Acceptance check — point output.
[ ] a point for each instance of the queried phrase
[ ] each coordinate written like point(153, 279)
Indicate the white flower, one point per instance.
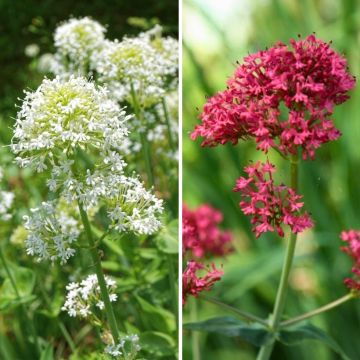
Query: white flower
point(32, 50)
point(51, 233)
point(6, 201)
point(130, 206)
point(76, 40)
point(132, 63)
point(62, 116)
point(83, 297)
point(113, 350)
point(128, 346)
point(166, 47)
point(47, 63)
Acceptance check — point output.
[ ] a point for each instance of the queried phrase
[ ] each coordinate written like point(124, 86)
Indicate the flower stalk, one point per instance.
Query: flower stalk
point(245, 315)
point(100, 275)
point(167, 120)
point(275, 319)
point(318, 311)
point(195, 336)
point(173, 288)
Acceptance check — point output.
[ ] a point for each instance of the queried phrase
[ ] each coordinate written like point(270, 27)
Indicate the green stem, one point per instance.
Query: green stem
point(173, 287)
point(266, 350)
point(243, 314)
point(29, 322)
point(317, 311)
point(167, 119)
point(67, 336)
point(143, 138)
point(195, 340)
point(100, 275)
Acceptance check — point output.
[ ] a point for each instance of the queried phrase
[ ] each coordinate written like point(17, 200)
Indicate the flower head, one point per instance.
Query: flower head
point(131, 207)
point(145, 65)
point(167, 48)
point(83, 298)
point(308, 78)
point(352, 248)
point(62, 116)
point(201, 234)
point(51, 232)
point(270, 206)
point(193, 285)
point(76, 41)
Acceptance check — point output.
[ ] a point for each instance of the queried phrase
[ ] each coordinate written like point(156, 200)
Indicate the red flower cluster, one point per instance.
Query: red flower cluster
point(270, 205)
point(201, 234)
point(352, 237)
point(308, 78)
point(193, 285)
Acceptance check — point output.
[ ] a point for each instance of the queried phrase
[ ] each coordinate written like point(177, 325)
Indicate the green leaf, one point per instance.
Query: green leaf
point(25, 281)
point(298, 334)
point(47, 353)
point(155, 317)
point(157, 344)
point(53, 309)
point(229, 326)
point(167, 239)
point(7, 351)
point(113, 246)
point(7, 304)
point(111, 266)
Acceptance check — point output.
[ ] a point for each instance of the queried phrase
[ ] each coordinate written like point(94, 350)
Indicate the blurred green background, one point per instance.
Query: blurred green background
point(216, 35)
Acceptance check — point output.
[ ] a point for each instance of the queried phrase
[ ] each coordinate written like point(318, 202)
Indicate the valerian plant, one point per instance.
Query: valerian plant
point(283, 98)
point(102, 198)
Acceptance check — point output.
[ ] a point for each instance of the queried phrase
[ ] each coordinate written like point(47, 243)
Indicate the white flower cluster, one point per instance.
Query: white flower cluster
point(148, 62)
point(72, 128)
point(132, 65)
point(61, 116)
point(6, 201)
point(126, 348)
point(51, 232)
point(146, 65)
point(168, 49)
point(82, 298)
point(131, 207)
point(76, 41)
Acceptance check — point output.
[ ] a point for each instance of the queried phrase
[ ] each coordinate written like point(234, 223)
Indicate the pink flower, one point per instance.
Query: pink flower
point(307, 77)
point(352, 237)
point(271, 206)
point(193, 285)
point(201, 234)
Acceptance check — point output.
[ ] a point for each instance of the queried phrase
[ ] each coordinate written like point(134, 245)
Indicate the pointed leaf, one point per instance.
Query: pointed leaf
point(156, 317)
point(229, 326)
point(295, 335)
point(25, 280)
point(47, 353)
point(157, 344)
